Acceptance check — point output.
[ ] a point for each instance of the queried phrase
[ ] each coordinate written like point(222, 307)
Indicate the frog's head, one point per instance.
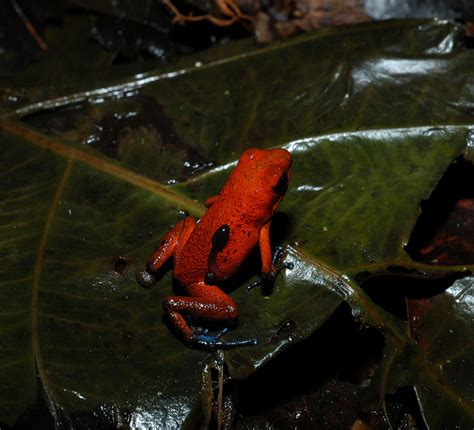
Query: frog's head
point(262, 176)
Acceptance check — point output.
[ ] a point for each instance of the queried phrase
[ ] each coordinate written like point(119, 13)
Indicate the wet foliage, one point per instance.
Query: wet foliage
point(106, 142)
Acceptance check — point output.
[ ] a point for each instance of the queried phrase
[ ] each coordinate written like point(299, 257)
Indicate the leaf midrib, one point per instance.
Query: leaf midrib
point(70, 152)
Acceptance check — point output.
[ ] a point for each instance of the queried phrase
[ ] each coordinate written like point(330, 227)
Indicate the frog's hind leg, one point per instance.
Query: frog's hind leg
point(207, 302)
point(171, 244)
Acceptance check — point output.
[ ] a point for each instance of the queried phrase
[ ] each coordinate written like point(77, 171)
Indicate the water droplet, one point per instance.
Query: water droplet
point(470, 140)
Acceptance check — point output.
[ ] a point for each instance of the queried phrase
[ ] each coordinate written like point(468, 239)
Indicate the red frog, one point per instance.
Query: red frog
point(212, 249)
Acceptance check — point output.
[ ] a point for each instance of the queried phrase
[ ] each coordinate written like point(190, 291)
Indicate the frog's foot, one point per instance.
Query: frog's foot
point(277, 257)
point(145, 279)
point(267, 280)
point(200, 330)
point(212, 343)
point(277, 254)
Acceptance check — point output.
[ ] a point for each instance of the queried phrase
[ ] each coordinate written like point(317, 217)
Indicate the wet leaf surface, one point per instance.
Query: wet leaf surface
point(316, 375)
point(441, 327)
point(371, 136)
point(73, 319)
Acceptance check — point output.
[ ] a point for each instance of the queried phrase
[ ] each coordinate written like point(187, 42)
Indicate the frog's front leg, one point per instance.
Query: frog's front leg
point(170, 245)
point(270, 270)
point(206, 302)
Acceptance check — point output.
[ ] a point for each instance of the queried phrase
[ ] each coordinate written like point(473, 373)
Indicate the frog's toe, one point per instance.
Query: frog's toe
point(222, 332)
point(145, 279)
point(265, 280)
point(237, 343)
point(212, 343)
point(277, 254)
point(276, 259)
point(200, 331)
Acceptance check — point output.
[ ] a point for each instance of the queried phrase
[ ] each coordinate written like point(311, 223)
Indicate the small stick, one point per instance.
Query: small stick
point(229, 9)
point(39, 40)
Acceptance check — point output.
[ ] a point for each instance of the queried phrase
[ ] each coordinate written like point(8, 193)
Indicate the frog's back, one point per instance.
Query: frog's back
point(192, 263)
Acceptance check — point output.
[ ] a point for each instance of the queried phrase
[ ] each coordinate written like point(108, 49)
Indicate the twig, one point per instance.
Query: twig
point(39, 40)
point(227, 7)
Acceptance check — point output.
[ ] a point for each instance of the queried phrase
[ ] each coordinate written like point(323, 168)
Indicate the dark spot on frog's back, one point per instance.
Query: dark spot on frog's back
point(218, 243)
point(220, 238)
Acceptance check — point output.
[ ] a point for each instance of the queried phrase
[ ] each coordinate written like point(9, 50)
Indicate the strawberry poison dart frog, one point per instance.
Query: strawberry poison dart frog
point(211, 249)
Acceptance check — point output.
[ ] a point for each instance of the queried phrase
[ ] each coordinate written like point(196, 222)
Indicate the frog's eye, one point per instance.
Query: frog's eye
point(282, 184)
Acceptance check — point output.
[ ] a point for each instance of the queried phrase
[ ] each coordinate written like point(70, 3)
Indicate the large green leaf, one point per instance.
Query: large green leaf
point(373, 116)
point(92, 335)
point(448, 401)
